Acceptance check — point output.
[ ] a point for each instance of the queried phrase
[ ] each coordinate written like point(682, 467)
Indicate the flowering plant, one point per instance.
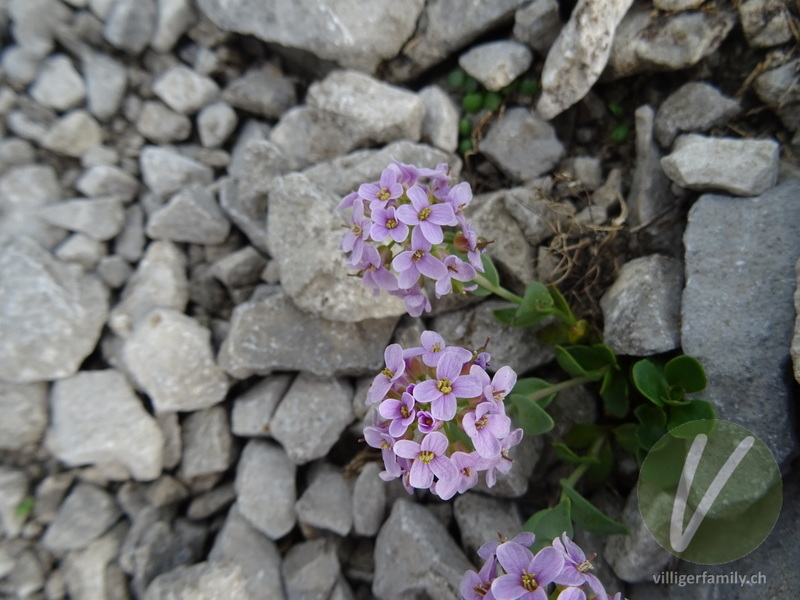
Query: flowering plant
point(397, 239)
point(511, 572)
point(440, 418)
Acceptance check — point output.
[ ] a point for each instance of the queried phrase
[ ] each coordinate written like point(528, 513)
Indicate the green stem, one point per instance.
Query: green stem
point(496, 289)
point(576, 475)
point(558, 387)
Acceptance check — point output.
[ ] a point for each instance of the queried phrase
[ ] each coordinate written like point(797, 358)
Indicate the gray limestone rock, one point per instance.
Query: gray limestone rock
point(496, 64)
point(239, 543)
point(642, 309)
point(99, 218)
point(313, 274)
point(97, 419)
point(13, 489)
point(207, 443)
point(270, 333)
point(635, 557)
point(15, 152)
point(292, 136)
point(695, 106)
point(262, 91)
point(579, 54)
point(312, 416)
point(192, 215)
point(73, 134)
point(106, 81)
point(35, 21)
point(58, 85)
point(166, 172)
point(20, 64)
point(522, 145)
point(114, 270)
point(327, 501)
point(795, 349)
point(174, 17)
point(741, 167)
point(777, 86)
point(159, 280)
point(440, 126)
point(51, 318)
point(481, 518)
point(162, 125)
point(447, 26)
point(514, 484)
point(265, 488)
point(252, 410)
point(215, 123)
point(201, 581)
point(352, 110)
point(741, 254)
point(84, 516)
point(369, 500)
point(129, 24)
point(24, 190)
point(185, 91)
point(537, 24)
point(647, 40)
point(169, 354)
point(24, 410)
point(766, 23)
point(107, 181)
point(210, 503)
point(510, 250)
point(469, 328)
point(241, 269)
point(82, 250)
point(50, 494)
point(310, 570)
point(359, 36)
point(410, 532)
point(173, 443)
point(89, 573)
point(344, 174)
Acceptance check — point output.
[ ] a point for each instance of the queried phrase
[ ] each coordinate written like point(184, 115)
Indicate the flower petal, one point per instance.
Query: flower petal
point(513, 557)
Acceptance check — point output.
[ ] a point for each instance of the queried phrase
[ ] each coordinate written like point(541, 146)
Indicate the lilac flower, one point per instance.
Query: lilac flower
point(456, 269)
point(527, 575)
point(434, 348)
point(386, 224)
point(486, 426)
point(379, 194)
point(417, 261)
point(354, 239)
point(429, 458)
point(426, 423)
point(502, 462)
point(428, 217)
point(467, 476)
point(407, 175)
point(467, 241)
point(376, 275)
point(502, 383)
point(571, 593)
point(395, 365)
point(416, 301)
point(402, 413)
point(347, 201)
point(449, 384)
point(378, 438)
point(576, 567)
point(477, 586)
point(523, 538)
point(459, 198)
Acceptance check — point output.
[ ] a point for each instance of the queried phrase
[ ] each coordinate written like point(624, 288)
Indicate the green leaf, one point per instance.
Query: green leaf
point(533, 419)
point(456, 78)
point(505, 316)
point(583, 435)
point(620, 133)
point(549, 523)
point(465, 146)
point(25, 507)
point(492, 101)
point(530, 385)
point(490, 273)
point(590, 518)
point(687, 372)
point(464, 127)
point(650, 381)
point(529, 87)
point(564, 453)
point(652, 425)
point(615, 108)
point(472, 102)
point(625, 435)
point(537, 305)
point(695, 410)
point(554, 334)
point(585, 361)
point(471, 84)
point(561, 306)
point(614, 393)
point(600, 470)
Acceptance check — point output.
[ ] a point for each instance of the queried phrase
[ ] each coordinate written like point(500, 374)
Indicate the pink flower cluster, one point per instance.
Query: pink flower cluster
point(430, 396)
point(397, 236)
point(512, 572)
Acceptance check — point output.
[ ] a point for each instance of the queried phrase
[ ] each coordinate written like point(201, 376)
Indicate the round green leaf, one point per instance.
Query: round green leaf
point(614, 393)
point(492, 101)
point(472, 102)
point(695, 410)
point(456, 78)
point(533, 419)
point(687, 372)
point(650, 381)
point(549, 523)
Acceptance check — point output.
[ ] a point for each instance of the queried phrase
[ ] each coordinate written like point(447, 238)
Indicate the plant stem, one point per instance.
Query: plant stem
point(576, 475)
point(496, 289)
point(558, 387)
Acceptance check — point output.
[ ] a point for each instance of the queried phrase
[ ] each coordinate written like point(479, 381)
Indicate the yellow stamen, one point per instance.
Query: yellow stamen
point(529, 581)
point(391, 223)
point(384, 195)
point(444, 385)
point(423, 214)
point(426, 456)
